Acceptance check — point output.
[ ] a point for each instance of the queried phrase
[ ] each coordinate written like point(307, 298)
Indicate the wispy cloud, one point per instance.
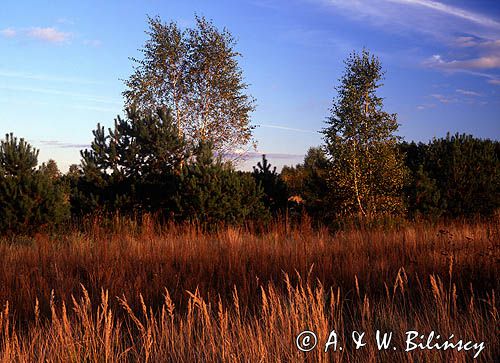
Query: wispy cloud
point(476, 51)
point(63, 145)
point(266, 4)
point(490, 61)
point(56, 92)
point(45, 34)
point(44, 77)
point(458, 96)
point(257, 155)
point(426, 16)
point(95, 108)
point(8, 33)
point(425, 106)
point(443, 99)
point(286, 128)
point(92, 42)
point(65, 21)
point(453, 11)
point(468, 41)
point(468, 92)
point(49, 34)
point(77, 105)
point(480, 54)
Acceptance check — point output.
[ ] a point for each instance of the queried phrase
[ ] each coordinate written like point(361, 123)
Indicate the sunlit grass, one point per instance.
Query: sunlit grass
point(124, 293)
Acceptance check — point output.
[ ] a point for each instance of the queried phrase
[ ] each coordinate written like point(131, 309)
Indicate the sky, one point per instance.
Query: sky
point(62, 65)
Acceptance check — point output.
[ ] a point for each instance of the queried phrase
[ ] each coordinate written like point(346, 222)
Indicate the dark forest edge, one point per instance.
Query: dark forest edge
point(452, 177)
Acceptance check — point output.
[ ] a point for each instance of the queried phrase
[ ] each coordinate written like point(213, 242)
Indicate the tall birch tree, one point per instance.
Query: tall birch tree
point(195, 73)
point(367, 170)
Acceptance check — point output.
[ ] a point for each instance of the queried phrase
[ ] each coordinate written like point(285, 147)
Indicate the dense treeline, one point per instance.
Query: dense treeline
point(170, 154)
point(454, 176)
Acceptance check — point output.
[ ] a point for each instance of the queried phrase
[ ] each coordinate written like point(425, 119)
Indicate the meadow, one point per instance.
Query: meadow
point(125, 291)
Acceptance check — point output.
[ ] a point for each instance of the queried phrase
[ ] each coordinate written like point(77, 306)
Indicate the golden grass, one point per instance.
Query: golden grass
point(176, 294)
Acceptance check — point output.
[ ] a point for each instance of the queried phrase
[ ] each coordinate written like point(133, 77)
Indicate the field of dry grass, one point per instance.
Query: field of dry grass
point(178, 294)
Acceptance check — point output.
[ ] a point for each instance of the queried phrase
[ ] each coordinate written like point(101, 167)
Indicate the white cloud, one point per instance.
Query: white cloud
point(466, 41)
point(48, 34)
point(286, 128)
point(468, 92)
point(252, 155)
point(460, 96)
point(485, 54)
point(425, 106)
point(433, 18)
point(92, 42)
point(44, 77)
point(453, 11)
point(476, 50)
point(474, 41)
point(443, 99)
point(8, 33)
point(65, 21)
point(55, 92)
point(479, 57)
point(64, 145)
point(491, 61)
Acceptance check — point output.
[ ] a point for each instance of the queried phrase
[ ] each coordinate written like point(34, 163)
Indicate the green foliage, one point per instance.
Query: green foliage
point(316, 189)
point(133, 168)
point(51, 170)
point(211, 192)
point(454, 176)
point(195, 73)
point(307, 184)
point(367, 171)
point(30, 198)
point(425, 196)
point(275, 192)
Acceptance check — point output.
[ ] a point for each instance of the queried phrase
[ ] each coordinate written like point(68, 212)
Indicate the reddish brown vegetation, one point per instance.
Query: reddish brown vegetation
point(254, 291)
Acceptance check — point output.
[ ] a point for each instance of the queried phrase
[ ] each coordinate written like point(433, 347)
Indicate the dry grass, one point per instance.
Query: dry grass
point(124, 293)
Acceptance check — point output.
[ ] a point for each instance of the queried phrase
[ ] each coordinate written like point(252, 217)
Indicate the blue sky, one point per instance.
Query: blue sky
point(62, 64)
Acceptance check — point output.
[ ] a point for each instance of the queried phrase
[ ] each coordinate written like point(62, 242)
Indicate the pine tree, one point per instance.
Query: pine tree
point(275, 192)
point(211, 192)
point(51, 170)
point(133, 166)
point(30, 198)
point(455, 176)
point(426, 196)
point(367, 170)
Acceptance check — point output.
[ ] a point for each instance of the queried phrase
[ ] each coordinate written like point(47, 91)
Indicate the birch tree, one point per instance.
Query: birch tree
point(367, 170)
point(195, 73)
